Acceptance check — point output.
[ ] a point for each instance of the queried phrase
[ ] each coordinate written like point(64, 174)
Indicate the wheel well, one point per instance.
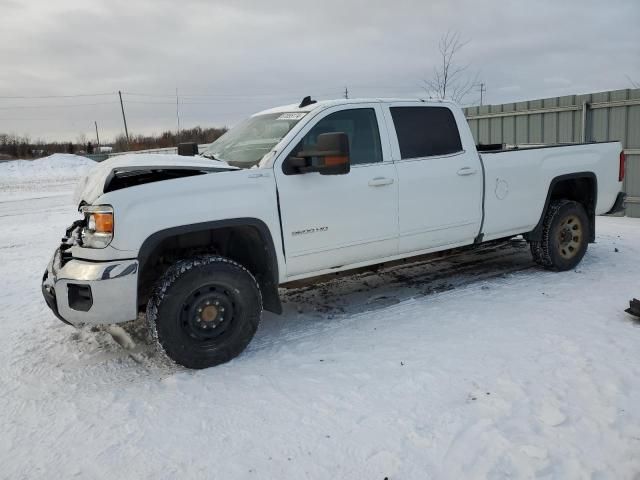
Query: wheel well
point(581, 188)
point(249, 244)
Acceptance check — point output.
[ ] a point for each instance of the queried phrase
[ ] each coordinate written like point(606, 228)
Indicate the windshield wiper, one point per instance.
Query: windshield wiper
point(209, 156)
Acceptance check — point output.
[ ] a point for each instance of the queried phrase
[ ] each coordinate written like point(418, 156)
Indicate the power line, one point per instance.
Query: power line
point(192, 99)
point(215, 95)
point(185, 104)
point(386, 87)
point(27, 119)
point(173, 103)
point(226, 95)
point(57, 105)
point(197, 95)
point(57, 96)
point(205, 102)
point(143, 102)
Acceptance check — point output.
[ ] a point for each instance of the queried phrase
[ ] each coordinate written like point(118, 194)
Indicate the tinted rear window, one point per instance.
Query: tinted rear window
point(425, 131)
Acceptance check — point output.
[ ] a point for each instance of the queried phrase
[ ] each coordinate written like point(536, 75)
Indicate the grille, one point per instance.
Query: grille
point(72, 237)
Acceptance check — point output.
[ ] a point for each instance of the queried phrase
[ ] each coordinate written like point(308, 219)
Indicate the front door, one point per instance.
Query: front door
point(330, 221)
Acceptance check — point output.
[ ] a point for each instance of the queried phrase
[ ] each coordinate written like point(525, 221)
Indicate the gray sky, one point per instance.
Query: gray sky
point(248, 55)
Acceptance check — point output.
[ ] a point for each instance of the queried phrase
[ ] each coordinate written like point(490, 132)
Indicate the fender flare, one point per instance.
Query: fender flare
point(536, 233)
point(268, 282)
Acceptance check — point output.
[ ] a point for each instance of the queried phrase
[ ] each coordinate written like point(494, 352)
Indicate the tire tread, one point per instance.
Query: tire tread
point(173, 273)
point(541, 250)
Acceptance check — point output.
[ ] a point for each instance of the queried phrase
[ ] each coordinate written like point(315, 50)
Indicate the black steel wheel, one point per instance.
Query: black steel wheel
point(208, 311)
point(205, 311)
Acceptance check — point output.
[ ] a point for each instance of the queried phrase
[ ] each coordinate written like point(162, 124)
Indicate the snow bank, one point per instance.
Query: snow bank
point(56, 167)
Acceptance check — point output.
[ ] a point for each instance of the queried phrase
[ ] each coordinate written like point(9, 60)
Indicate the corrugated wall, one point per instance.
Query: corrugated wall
point(606, 116)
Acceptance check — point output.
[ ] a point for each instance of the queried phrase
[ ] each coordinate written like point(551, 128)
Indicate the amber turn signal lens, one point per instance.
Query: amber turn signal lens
point(333, 161)
point(104, 222)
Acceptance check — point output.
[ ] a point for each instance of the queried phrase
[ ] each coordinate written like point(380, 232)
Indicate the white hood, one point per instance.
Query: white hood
point(92, 185)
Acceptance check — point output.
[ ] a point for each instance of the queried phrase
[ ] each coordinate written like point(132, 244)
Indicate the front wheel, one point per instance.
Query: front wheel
point(565, 236)
point(204, 311)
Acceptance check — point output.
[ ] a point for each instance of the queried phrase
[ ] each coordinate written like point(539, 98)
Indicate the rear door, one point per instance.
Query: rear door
point(330, 221)
point(440, 200)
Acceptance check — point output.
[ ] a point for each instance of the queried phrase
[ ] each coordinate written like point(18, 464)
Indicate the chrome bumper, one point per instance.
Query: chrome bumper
point(82, 292)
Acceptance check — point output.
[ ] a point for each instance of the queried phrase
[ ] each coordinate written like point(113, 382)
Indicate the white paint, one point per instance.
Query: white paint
point(420, 205)
point(358, 211)
point(529, 172)
point(502, 189)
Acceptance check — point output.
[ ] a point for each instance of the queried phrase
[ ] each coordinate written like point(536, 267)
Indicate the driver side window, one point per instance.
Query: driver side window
point(360, 125)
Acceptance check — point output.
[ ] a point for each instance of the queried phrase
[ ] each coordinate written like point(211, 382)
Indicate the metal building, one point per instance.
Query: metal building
point(602, 116)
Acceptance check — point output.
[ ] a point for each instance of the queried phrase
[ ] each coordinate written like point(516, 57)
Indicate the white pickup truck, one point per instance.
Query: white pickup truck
point(202, 243)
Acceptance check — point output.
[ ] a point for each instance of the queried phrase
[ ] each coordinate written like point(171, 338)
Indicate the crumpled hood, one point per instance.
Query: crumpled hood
point(97, 181)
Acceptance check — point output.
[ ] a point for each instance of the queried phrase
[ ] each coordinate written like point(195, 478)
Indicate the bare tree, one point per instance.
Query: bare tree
point(633, 83)
point(450, 80)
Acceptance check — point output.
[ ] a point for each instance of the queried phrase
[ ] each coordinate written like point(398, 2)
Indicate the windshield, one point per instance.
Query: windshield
point(245, 144)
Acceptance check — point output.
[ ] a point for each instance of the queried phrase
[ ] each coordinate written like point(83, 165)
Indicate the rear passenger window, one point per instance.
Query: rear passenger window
point(425, 131)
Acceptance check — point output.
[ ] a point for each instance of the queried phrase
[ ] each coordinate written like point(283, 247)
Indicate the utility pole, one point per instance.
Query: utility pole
point(97, 136)
point(482, 90)
point(124, 119)
point(346, 92)
point(178, 112)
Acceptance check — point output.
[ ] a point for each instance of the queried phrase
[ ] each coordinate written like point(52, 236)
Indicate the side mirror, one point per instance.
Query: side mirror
point(188, 149)
point(330, 156)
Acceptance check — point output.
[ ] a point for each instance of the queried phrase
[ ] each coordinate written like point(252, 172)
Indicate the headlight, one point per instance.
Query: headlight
point(98, 231)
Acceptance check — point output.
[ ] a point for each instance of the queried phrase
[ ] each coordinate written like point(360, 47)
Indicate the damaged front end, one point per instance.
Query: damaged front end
point(132, 170)
point(125, 177)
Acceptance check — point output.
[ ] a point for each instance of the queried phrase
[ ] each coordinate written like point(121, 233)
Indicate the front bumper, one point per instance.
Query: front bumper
point(83, 292)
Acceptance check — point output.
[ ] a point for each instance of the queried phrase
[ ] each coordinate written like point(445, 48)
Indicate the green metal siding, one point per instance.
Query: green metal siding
point(529, 123)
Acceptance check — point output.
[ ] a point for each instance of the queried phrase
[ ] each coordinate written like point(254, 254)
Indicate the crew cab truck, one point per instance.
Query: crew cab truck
point(200, 244)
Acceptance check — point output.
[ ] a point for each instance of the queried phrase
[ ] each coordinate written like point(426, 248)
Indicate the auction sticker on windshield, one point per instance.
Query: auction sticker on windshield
point(292, 116)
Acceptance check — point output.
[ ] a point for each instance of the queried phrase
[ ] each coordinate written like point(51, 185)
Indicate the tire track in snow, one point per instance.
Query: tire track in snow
point(333, 304)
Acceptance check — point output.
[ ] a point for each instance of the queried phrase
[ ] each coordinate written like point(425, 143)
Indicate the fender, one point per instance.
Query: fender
point(267, 280)
point(536, 233)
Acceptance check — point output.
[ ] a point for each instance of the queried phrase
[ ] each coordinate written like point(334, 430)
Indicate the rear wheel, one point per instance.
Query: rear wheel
point(204, 311)
point(565, 236)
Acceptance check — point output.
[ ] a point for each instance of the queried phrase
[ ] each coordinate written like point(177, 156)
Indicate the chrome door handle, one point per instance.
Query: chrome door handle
point(467, 171)
point(380, 181)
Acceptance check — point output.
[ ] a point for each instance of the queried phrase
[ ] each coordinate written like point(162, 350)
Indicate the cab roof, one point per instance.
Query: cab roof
point(322, 104)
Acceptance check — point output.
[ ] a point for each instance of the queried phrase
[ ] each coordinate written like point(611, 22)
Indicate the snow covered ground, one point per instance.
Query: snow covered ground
point(483, 366)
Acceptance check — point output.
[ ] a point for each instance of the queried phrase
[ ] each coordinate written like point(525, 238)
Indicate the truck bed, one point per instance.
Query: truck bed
point(517, 179)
